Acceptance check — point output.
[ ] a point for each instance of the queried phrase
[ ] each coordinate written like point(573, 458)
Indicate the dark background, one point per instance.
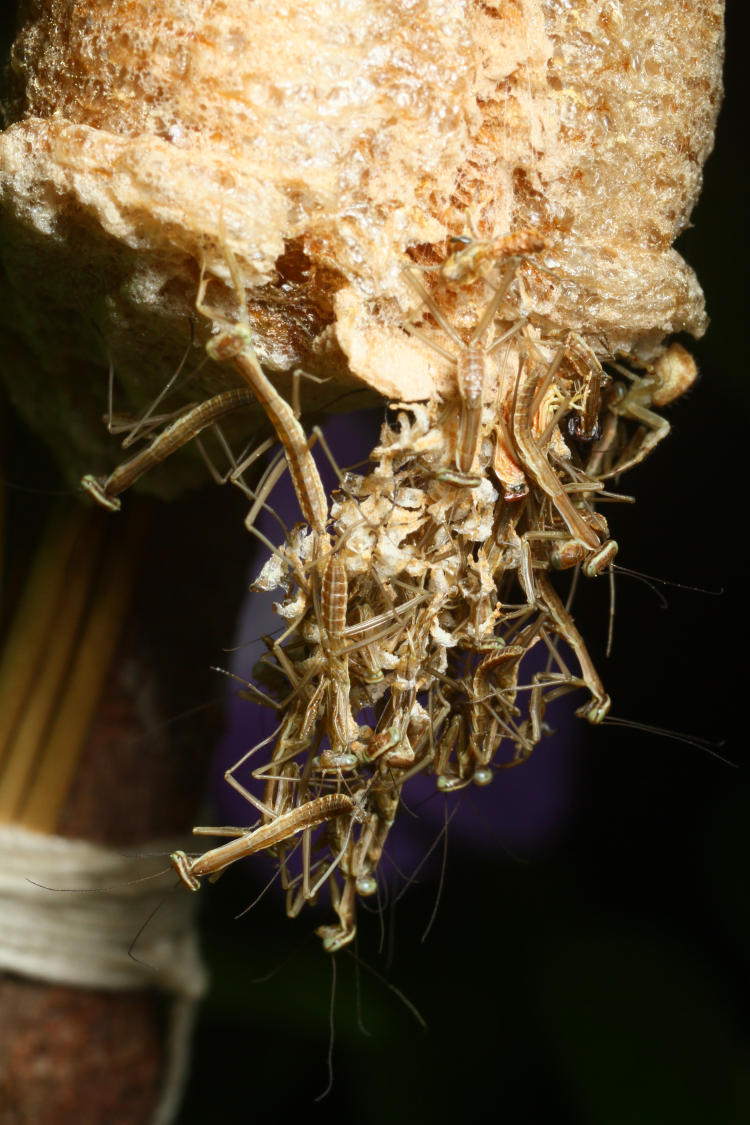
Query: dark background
point(596, 973)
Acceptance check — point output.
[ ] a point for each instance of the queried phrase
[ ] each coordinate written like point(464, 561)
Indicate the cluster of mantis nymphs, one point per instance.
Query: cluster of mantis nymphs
point(412, 597)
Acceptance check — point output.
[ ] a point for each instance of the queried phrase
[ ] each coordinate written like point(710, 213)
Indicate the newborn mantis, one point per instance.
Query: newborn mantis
point(267, 836)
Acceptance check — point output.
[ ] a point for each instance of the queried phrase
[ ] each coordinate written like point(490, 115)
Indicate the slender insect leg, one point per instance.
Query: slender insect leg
point(597, 708)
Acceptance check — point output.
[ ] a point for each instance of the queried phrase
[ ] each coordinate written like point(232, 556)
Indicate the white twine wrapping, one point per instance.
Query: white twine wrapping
point(80, 932)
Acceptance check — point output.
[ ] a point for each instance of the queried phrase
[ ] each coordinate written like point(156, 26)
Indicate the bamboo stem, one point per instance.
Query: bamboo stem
point(95, 644)
point(40, 646)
